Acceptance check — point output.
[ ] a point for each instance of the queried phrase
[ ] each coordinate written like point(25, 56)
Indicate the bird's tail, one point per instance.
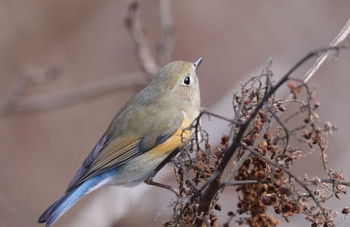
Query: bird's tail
point(66, 201)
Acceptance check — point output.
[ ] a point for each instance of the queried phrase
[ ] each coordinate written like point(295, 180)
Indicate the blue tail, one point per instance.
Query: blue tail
point(60, 206)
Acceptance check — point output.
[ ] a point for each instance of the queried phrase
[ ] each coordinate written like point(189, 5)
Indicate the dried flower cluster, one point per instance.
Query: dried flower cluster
point(192, 173)
point(268, 136)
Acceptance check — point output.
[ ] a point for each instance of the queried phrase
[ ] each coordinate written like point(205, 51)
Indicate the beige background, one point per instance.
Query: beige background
point(87, 40)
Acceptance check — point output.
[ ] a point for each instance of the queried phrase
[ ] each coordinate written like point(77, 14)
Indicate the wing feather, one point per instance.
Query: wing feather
point(108, 155)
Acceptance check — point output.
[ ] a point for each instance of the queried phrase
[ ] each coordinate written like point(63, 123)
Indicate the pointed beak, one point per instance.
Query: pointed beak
point(198, 62)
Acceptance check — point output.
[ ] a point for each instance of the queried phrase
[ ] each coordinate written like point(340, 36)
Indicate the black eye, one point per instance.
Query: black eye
point(187, 80)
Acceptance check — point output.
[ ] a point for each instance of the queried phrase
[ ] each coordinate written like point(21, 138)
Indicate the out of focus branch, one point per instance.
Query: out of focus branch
point(16, 90)
point(14, 102)
point(73, 95)
point(143, 49)
point(166, 48)
point(133, 24)
point(340, 38)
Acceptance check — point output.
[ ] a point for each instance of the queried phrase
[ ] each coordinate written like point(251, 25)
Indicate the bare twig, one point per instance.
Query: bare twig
point(246, 155)
point(262, 184)
point(189, 180)
point(73, 95)
point(133, 23)
point(329, 180)
point(166, 21)
point(239, 182)
point(16, 90)
point(210, 188)
point(290, 174)
point(340, 37)
point(210, 114)
point(15, 103)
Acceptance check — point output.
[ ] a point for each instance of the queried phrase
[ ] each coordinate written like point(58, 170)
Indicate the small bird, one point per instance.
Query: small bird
point(143, 136)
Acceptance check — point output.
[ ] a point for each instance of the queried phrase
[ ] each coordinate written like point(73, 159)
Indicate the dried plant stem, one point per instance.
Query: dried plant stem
point(290, 174)
point(210, 189)
point(340, 38)
point(246, 155)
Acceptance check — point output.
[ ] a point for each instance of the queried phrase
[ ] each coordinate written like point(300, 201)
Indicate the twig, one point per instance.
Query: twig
point(209, 189)
point(188, 179)
point(16, 90)
point(246, 154)
point(330, 181)
point(133, 24)
point(290, 174)
point(73, 95)
point(239, 182)
point(286, 131)
point(210, 114)
point(196, 123)
point(340, 37)
point(166, 48)
point(205, 221)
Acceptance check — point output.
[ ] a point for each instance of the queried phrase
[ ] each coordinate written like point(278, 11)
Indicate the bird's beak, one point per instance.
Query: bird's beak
point(197, 63)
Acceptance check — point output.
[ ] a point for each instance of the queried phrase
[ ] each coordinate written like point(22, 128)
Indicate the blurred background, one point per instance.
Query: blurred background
point(52, 48)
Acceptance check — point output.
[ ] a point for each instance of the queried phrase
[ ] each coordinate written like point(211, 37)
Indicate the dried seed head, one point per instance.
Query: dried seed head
point(346, 210)
point(262, 144)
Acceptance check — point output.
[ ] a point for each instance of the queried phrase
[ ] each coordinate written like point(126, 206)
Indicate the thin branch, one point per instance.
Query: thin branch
point(247, 154)
point(290, 174)
point(166, 21)
point(340, 38)
point(210, 187)
point(188, 178)
point(286, 131)
point(16, 90)
point(205, 221)
point(210, 114)
point(73, 95)
point(239, 182)
point(329, 180)
point(133, 24)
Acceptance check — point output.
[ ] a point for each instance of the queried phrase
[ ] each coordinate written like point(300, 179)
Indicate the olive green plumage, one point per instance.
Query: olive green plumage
point(140, 137)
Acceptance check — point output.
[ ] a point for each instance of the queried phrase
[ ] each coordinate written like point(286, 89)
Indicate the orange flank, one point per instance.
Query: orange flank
point(176, 140)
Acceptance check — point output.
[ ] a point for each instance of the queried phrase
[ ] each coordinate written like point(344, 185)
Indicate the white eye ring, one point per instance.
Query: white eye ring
point(187, 81)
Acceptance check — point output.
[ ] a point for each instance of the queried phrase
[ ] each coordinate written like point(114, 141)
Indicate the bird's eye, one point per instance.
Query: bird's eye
point(187, 81)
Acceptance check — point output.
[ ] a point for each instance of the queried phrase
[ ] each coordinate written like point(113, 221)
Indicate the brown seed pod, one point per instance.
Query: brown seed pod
point(346, 210)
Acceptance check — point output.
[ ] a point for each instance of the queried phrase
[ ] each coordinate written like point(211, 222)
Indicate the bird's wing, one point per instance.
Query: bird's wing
point(88, 160)
point(107, 155)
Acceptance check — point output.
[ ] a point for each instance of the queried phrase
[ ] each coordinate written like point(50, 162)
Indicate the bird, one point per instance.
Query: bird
point(144, 135)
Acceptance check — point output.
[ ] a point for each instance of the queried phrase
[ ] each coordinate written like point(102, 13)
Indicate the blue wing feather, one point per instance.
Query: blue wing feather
point(87, 178)
point(145, 144)
point(88, 160)
point(60, 206)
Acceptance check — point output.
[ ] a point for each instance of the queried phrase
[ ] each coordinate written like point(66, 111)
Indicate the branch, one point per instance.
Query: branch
point(209, 189)
point(15, 103)
point(16, 90)
point(290, 174)
point(166, 49)
point(133, 24)
point(72, 95)
point(329, 181)
point(340, 37)
point(239, 182)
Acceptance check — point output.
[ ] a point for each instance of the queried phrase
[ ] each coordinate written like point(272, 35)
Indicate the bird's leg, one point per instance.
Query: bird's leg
point(150, 181)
